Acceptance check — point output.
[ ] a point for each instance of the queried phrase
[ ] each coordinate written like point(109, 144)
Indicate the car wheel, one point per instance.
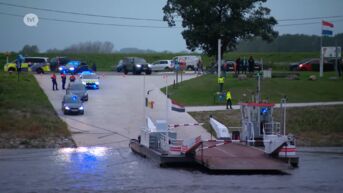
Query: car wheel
point(166, 68)
point(40, 71)
point(125, 70)
point(190, 68)
point(148, 72)
point(82, 113)
point(11, 70)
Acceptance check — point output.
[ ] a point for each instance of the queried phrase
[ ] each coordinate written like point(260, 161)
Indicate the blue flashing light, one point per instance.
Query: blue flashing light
point(87, 72)
point(264, 110)
point(74, 98)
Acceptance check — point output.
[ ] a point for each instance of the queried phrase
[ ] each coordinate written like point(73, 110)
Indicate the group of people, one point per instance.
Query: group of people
point(242, 65)
point(63, 78)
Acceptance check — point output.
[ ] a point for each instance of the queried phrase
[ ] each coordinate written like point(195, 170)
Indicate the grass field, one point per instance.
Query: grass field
point(312, 126)
point(105, 62)
point(201, 90)
point(25, 111)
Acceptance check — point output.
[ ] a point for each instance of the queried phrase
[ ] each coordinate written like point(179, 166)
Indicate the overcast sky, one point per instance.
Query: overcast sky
point(14, 34)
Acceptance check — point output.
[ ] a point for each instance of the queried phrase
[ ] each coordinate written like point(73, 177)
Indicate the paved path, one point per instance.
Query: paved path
point(115, 112)
point(223, 107)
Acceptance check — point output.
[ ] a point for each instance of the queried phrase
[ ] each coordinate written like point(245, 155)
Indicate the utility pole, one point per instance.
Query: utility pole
point(219, 56)
point(321, 55)
point(283, 114)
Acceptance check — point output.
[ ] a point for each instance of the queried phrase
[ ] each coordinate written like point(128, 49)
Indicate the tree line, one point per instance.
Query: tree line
point(290, 43)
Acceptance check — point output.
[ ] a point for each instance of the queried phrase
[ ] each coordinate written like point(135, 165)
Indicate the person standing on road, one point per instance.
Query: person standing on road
point(54, 81)
point(251, 62)
point(94, 67)
point(64, 78)
point(72, 78)
point(228, 100)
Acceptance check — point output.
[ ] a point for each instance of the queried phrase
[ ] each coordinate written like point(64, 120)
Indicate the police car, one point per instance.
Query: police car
point(70, 67)
point(90, 80)
point(29, 64)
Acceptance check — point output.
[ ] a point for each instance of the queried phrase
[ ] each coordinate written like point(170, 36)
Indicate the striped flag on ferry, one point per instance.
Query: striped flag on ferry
point(327, 28)
point(177, 107)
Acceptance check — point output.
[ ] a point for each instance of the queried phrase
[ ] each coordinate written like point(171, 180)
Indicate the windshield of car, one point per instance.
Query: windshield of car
point(89, 76)
point(72, 99)
point(77, 87)
point(140, 60)
point(35, 60)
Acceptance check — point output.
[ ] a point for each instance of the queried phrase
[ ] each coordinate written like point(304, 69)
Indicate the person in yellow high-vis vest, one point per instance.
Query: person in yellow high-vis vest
point(228, 100)
point(221, 83)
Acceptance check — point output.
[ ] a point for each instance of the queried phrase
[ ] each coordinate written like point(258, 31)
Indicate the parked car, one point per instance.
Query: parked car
point(35, 64)
point(78, 89)
point(90, 80)
point(83, 67)
point(312, 65)
point(71, 104)
point(58, 61)
point(136, 65)
point(161, 65)
point(119, 67)
point(190, 61)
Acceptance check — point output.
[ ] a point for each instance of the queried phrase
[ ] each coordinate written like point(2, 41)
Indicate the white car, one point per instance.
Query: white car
point(90, 80)
point(161, 65)
point(191, 61)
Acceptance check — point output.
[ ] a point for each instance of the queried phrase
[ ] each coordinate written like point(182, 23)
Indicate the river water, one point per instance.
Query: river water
point(100, 169)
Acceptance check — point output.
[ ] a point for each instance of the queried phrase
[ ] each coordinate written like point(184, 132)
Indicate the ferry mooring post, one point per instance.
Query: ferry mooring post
point(283, 113)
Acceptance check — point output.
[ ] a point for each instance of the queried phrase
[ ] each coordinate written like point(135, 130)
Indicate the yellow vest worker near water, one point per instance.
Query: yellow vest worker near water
point(221, 83)
point(228, 100)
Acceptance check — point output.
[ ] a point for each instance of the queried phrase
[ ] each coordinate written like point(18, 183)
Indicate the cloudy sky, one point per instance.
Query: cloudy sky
point(59, 30)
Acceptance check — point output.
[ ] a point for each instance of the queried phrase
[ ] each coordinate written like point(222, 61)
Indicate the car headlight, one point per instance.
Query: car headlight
point(97, 83)
point(149, 65)
point(66, 108)
point(138, 65)
point(81, 108)
point(71, 68)
point(60, 68)
point(84, 83)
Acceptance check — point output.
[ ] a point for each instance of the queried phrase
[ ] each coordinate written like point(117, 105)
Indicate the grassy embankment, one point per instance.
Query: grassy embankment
point(312, 126)
point(25, 111)
point(201, 90)
point(105, 62)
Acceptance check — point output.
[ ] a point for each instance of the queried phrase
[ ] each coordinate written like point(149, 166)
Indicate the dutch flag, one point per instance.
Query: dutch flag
point(177, 107)
point(327, 28)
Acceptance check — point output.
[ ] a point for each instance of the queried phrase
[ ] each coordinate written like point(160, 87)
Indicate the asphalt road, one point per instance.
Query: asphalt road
point(115, 113)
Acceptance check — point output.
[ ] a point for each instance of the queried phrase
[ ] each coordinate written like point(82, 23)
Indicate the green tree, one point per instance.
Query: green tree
point(205, 21)
point(28, 50)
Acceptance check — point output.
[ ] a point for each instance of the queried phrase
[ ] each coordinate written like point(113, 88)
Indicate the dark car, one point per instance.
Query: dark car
point(70, 67)
point(312, 65)
point(83, 67)
point(71, 104)
point(56, 62)
point(136, 65)
point(78, 89)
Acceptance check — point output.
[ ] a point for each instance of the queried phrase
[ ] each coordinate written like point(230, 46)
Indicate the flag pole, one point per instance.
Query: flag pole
point(167, 109)
point(320, 51)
